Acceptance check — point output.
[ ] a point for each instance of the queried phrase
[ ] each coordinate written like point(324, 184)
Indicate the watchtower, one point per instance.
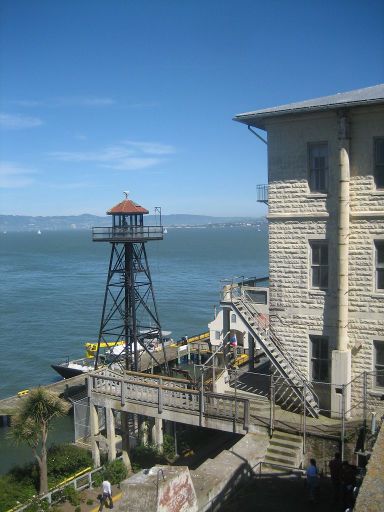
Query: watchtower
point(129, 323)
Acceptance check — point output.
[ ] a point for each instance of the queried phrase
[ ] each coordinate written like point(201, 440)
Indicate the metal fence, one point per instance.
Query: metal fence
point(81, 420)
point(357, 405)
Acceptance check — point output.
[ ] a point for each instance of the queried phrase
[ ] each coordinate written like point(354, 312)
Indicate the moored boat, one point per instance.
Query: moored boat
point(72, 368)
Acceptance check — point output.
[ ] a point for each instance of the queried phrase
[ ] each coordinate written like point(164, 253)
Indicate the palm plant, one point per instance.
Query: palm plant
point(31, 423)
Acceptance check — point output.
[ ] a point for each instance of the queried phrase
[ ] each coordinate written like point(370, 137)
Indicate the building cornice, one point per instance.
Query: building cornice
point(367, 215)
point(298, 215)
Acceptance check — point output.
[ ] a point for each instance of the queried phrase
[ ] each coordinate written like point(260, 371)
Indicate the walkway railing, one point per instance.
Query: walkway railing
point(160, 394)
point(82, 480)
point(163, 393)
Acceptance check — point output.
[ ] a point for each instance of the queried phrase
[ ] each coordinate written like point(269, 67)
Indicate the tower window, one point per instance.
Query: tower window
point(379, 264)
point(318, 167)
point(319, 359)
point(233, 318)
point(378, 148)
point(319, 264)
point(379, 363)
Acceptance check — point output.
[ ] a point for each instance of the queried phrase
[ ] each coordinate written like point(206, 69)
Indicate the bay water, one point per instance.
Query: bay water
point(52, 287)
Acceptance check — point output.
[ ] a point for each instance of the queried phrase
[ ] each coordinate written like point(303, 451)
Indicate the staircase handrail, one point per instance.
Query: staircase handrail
point(291, 469)
point(270, 333)
point(266, 332)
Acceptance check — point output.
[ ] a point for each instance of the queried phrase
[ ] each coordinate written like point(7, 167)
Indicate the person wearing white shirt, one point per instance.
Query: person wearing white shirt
point(107, 495)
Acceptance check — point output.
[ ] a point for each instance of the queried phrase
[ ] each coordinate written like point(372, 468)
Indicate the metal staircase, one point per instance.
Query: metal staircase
point(290, 386)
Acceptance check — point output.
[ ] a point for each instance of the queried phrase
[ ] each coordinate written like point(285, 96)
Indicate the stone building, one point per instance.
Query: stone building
point(326, 240)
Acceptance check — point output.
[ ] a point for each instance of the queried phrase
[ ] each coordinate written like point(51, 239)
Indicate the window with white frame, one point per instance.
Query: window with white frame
point(319, 358)
point(217, 335)
point(378, 361)
point(318, 167)
point(379, 264)
point(319, 264)
point(233, 318)
point(378, 156)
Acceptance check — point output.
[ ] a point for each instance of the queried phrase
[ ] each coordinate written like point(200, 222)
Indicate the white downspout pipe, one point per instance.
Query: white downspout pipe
point(341, 357)
point(343, 234)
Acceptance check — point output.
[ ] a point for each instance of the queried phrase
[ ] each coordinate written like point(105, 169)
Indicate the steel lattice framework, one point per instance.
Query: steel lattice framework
point(129, 322)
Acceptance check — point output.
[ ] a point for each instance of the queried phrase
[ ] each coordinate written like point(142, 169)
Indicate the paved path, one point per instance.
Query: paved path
point(65, 387)
point(270, 493)
point(90, 494)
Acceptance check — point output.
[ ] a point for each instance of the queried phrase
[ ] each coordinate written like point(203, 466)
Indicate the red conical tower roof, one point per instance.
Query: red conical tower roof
point(128, 207)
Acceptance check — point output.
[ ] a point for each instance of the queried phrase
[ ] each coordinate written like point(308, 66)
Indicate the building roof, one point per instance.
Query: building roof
point(127, 206)
point(358, 97)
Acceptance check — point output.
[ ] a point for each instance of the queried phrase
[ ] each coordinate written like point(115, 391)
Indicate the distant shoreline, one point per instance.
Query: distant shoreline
point(24, 223)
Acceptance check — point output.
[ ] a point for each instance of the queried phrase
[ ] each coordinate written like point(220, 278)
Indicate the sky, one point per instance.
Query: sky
point(102, 96)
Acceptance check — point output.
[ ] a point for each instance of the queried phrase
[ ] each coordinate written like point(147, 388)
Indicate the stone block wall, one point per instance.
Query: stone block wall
point(296, 216)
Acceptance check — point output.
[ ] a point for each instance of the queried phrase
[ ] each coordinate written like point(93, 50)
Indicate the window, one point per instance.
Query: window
point(217, 335)
point(258, 296)
point(379, 264)
point(233, 318)
point(319, 359)
point(379, 363)
point(378, 148)
point(319, 264)
point(318, 167)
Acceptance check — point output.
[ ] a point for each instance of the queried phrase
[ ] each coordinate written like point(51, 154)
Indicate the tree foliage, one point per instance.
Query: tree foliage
point(31, 423)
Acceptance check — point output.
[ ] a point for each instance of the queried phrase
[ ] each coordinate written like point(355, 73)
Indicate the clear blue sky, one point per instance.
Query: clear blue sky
point(101, 96)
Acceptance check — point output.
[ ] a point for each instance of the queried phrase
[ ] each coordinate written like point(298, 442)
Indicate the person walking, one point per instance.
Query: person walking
point(348, 482)
point(335, 470)
point(312, 479)
point(106, 495)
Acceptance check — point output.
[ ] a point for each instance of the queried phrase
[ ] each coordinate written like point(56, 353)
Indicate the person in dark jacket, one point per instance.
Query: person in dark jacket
point(348, 482)
point(335, 470)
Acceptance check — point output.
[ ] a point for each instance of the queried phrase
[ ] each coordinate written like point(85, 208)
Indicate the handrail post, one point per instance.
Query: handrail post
point(122, 389)
point(235, 422)
point(160, 396)
point(89, 385)
point(201, 398)
point(246, 415)
point(342, 420)
point(272, 406)
point(304, 417)
point(365, 387)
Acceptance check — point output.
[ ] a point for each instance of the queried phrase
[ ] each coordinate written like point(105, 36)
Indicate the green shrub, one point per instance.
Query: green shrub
point(145, 456)
point(78, 509)
point(14, 492)
point(37, 505)
point(114, 471)
point(89, 501)
point(169, 447)
point(21, 483)
point(70, 494)
point(65, 460)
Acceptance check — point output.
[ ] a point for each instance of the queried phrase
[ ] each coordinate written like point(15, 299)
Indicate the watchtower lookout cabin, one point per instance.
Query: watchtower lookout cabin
point(130, 325)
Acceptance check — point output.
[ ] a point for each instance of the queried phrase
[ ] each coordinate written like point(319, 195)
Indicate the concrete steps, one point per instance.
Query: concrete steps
point(258, 405)
point(284, 449)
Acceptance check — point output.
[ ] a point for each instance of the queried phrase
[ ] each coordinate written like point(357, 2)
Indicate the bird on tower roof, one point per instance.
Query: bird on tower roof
point(127, 207)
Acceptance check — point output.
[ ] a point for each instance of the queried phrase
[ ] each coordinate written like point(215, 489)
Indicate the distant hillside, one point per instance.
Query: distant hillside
point(86, 221)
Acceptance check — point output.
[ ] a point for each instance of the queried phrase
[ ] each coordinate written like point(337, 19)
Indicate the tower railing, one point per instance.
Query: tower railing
point(127, 233)
point(262, 194)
